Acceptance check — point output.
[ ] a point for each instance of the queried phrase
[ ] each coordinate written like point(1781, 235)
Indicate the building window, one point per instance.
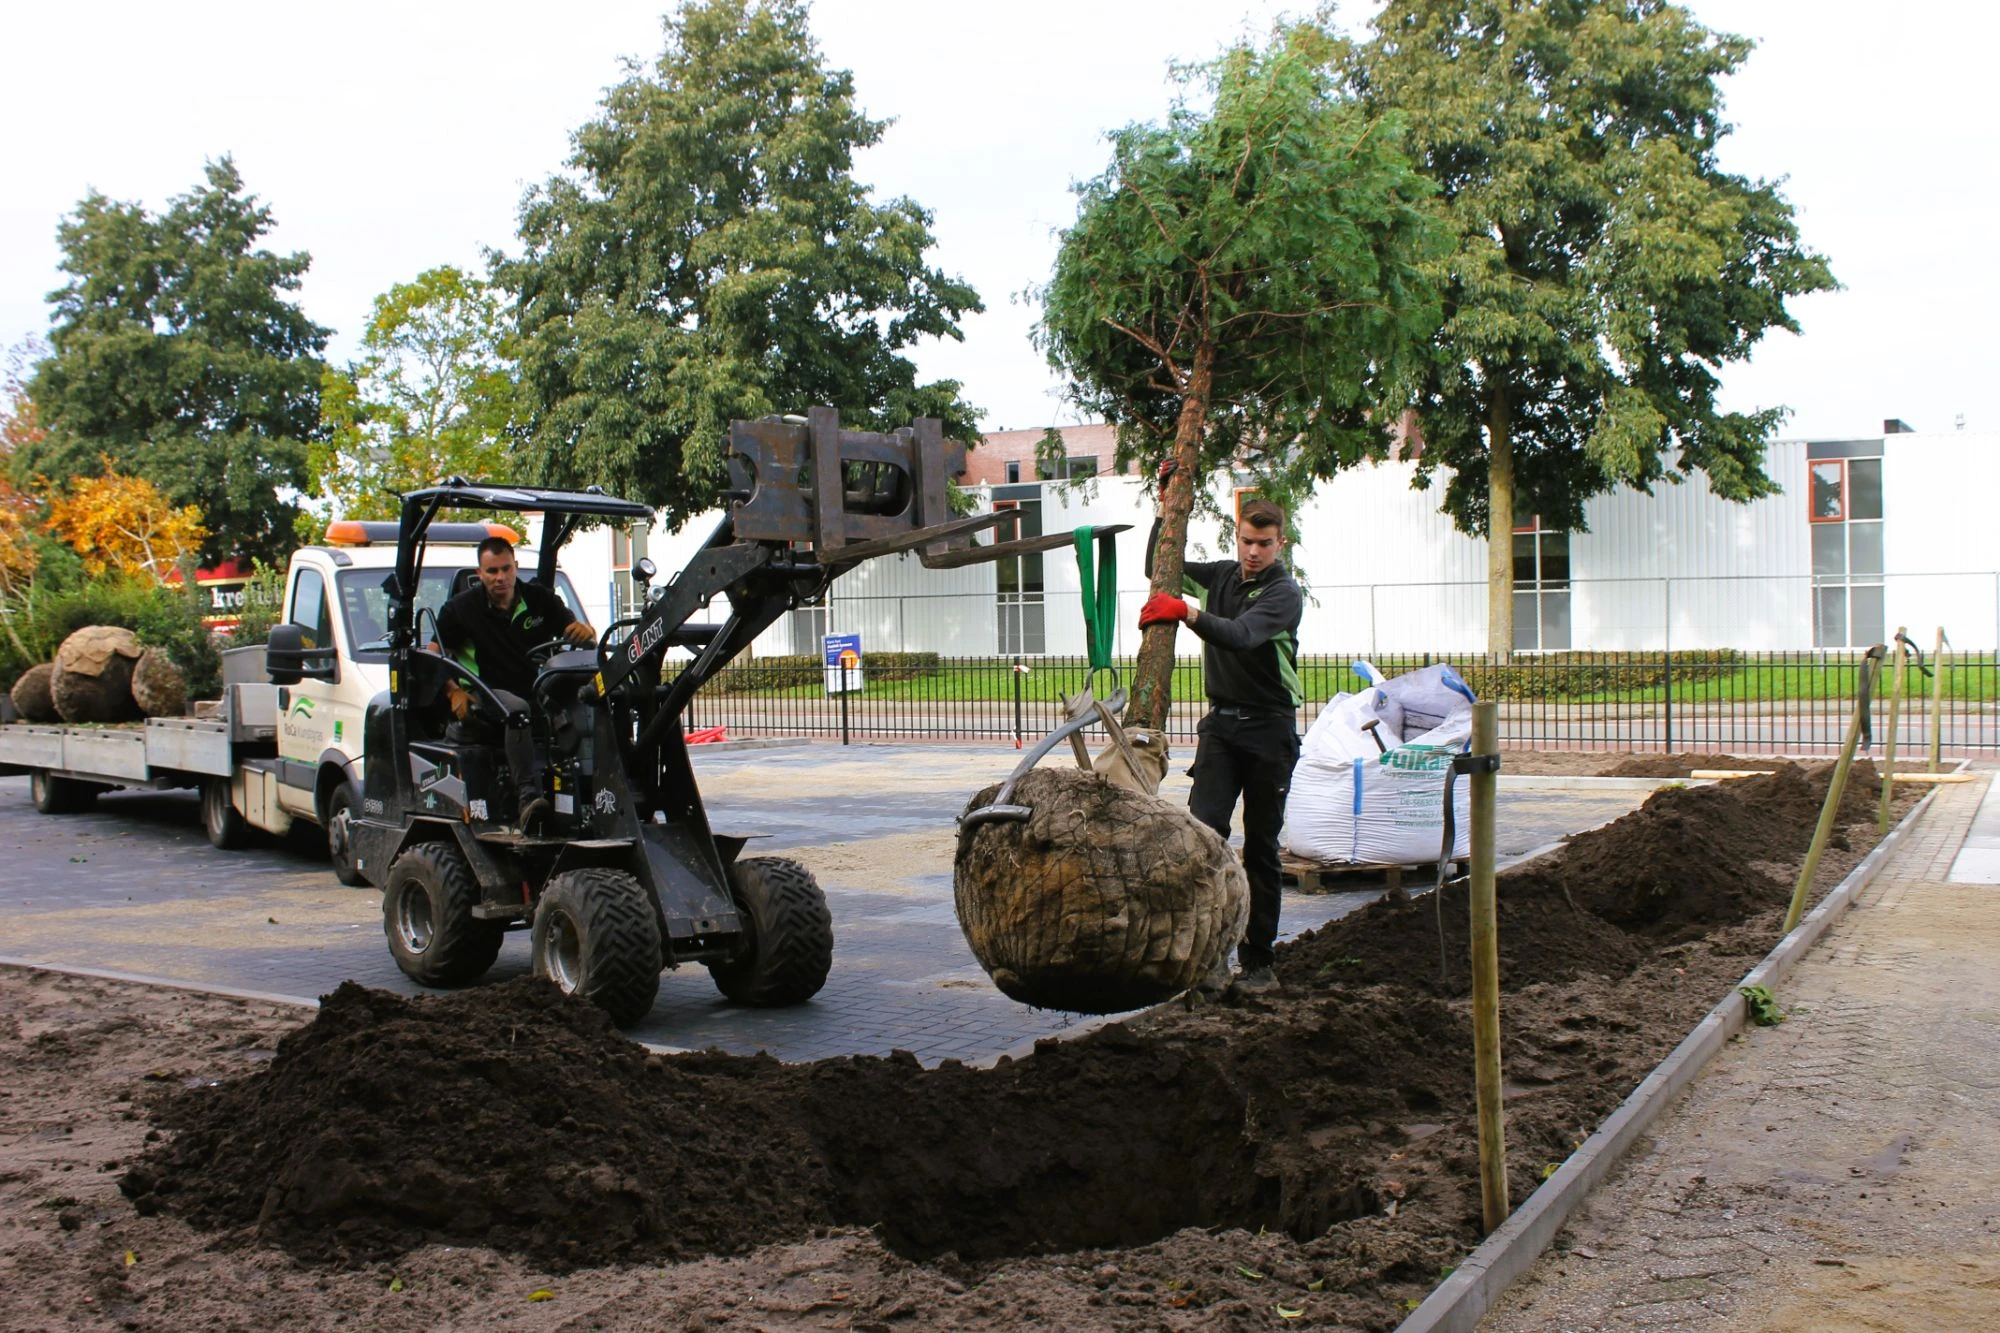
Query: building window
point(1541, 588)
point(1022, 629)
point(628, 545)
point(810, 623)
point(1070, 467)
point(1845, 506)
point(1013, 472)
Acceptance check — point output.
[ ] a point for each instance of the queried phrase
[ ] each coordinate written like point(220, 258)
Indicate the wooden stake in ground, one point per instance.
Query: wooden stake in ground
point(1937, 699)
point(1829, 813)
point(1486, 976)
point(1901, 648)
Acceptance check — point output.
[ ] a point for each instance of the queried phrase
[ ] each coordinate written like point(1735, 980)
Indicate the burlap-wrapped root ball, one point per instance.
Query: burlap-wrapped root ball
point(31, 696)
point(158, 686)
point(93, 675)
point(1105, 899)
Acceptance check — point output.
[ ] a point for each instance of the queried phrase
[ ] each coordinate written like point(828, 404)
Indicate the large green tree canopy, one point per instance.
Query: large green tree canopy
point(1605, 265)
point(1245, 285)
point(434, 394)
point(711, 256)
point(179, 354)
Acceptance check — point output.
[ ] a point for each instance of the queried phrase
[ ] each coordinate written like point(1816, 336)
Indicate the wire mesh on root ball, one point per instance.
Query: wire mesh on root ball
point(32, 697)
point(93, 675)
point(1103, 900)
point(158, 686)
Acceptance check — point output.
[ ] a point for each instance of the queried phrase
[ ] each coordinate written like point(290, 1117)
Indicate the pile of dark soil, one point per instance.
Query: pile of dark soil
point(513, 1117)
point(1680, 765)
point(507, 1115)
point(1334, 1120)
point(1689, 861)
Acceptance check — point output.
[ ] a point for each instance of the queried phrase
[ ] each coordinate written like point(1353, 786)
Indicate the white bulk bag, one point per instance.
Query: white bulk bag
point(1351, 802)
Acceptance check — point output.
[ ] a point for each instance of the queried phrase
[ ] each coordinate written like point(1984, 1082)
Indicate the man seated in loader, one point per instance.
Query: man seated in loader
point(489, 631)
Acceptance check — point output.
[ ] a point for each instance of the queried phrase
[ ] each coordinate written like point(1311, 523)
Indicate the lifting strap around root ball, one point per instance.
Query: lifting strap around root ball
point(1095, 552)
point(1100, 600)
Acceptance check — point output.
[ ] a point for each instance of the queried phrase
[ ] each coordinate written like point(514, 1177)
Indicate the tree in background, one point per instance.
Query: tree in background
point(434, 395)
point(1243, 286)
point(711, 256)
point(124, 525)
point(1605, 266)
point(20, 424)
point(178, 353)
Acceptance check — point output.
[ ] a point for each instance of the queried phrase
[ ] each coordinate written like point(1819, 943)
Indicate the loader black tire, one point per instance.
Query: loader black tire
point(788, 934)
point(61, 796)
point(427, 915)
point(597, 936)
point(225, 826)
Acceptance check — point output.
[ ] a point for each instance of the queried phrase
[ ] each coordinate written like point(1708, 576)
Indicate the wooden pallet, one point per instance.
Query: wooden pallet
point(1345, 876)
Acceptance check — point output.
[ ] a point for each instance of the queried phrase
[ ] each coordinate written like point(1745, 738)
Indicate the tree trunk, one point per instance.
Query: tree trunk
point(1499, 531)
point(1151, 688)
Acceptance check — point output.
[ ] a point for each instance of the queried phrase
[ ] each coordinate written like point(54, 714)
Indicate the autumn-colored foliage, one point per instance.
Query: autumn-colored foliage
point(124, 524)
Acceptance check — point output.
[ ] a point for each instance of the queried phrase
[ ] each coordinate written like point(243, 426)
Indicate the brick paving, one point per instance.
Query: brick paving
point(1839, 1171)
point(135, 887)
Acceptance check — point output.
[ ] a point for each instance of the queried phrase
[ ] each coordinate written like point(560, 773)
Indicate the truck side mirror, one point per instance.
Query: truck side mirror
point(288, 659)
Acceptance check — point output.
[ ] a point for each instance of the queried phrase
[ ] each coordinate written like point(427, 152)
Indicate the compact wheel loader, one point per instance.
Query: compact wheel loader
point(625, 878)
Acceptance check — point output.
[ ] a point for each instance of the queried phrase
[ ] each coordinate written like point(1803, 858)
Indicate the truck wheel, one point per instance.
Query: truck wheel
point(60, 796)
point(597, 936)
point(225, 827)
point(788, 945)
point(427, 915)
point(340, 812)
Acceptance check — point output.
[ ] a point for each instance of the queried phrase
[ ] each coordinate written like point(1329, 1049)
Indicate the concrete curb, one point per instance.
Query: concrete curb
point(1564, 782)
point(1458, 1303)
point(169, 983)
point(227, 992)
point(750, 743)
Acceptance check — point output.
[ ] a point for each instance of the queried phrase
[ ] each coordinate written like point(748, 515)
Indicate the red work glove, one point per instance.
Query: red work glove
point(1163, 608)
point(578, 631)
point(1168, 466)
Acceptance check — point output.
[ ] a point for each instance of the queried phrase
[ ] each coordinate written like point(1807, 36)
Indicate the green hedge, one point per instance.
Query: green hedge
point(1579, 675)
point(787, 673)
point(162, 617)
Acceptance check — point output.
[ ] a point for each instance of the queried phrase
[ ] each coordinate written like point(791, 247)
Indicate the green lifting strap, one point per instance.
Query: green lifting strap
point(1100, 600)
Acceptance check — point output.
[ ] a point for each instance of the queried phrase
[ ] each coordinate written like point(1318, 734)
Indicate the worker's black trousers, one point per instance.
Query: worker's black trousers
point(1248, 754)
point(517, 742)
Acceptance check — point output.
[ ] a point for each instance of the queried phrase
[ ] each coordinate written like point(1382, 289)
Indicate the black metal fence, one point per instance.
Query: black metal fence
point(1710, 701)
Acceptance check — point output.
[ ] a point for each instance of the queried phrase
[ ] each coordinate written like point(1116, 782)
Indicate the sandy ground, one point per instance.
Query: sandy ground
point(1840, 1171)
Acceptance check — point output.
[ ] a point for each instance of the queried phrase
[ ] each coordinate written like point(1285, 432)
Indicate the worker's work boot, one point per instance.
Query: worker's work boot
point(534, 810)
point(1257, 981)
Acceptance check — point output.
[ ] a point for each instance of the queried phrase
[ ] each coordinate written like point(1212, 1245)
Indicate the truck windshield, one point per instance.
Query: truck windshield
point(366, 607)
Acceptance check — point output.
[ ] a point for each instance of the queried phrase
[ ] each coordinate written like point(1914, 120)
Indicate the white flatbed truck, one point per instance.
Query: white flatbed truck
point(281, 746)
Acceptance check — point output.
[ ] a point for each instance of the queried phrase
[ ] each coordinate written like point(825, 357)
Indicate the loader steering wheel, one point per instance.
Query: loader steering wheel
point(542, 652)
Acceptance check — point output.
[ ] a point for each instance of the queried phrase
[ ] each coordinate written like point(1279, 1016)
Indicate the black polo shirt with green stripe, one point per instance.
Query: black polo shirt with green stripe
point(493, 643)
point(1250, 635)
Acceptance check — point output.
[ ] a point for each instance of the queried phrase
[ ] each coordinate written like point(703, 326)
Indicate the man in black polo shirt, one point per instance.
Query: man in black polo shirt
point(489, 630)
point(1248, 621)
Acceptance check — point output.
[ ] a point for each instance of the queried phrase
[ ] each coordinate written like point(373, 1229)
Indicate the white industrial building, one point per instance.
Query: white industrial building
point(1866, 534)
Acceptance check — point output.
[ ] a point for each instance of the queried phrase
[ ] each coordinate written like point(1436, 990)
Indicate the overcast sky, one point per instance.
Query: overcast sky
point(389, 138)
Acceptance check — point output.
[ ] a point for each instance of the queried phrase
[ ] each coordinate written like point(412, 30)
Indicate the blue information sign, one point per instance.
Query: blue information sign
point(842, 659)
